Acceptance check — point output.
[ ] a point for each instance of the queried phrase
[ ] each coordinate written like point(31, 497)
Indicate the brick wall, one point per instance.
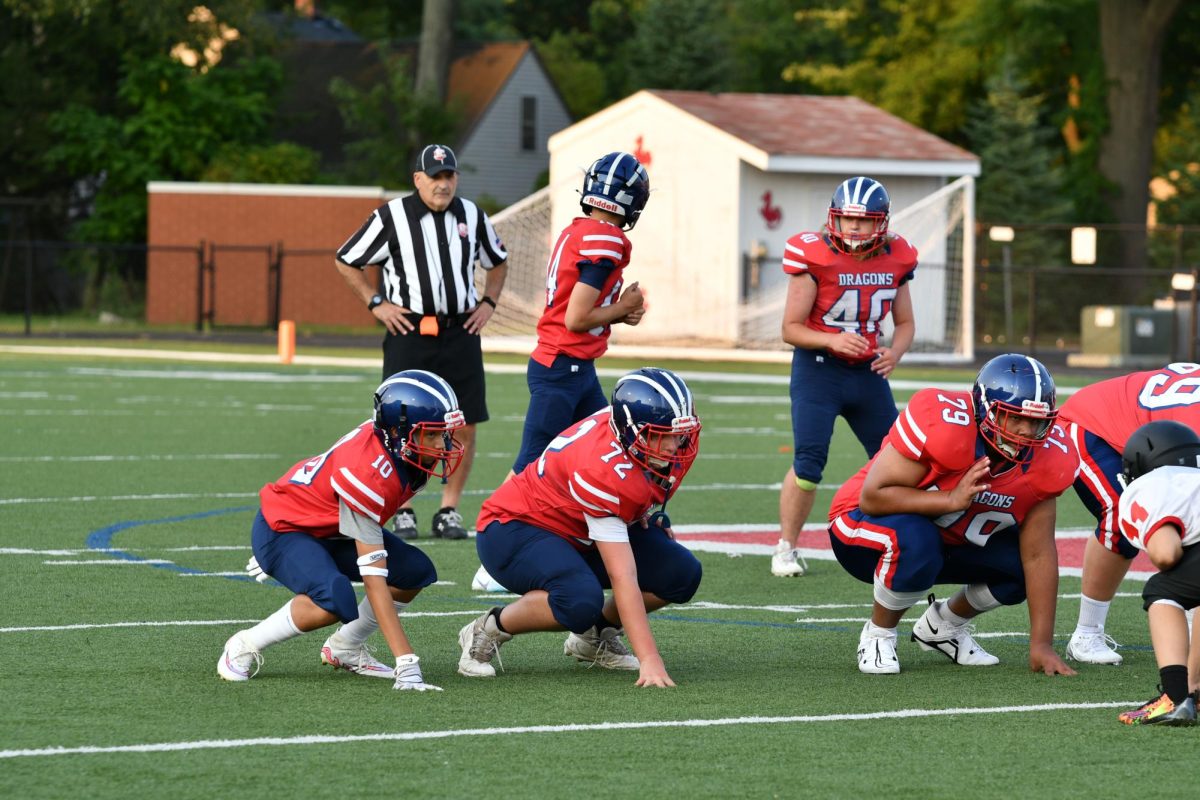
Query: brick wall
point(239, 223)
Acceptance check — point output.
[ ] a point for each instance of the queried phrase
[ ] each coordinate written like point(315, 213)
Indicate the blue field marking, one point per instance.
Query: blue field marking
point(103, 538)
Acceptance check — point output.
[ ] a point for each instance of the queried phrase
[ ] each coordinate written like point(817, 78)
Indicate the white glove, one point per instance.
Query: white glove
point(408, 675)
point(255, 571)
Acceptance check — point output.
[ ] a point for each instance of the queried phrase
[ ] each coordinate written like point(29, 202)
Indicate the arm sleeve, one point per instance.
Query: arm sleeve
point(356, 526)
point(607, 529)
point(369, 243)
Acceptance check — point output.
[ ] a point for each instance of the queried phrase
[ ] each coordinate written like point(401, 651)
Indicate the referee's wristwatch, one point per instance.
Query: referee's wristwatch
point(376, 300)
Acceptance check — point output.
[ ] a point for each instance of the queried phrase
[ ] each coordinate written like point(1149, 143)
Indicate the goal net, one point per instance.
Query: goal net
point(941, 226)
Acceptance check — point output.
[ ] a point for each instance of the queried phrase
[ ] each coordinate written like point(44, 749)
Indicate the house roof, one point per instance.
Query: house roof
point(477, 77)
point(815, 126)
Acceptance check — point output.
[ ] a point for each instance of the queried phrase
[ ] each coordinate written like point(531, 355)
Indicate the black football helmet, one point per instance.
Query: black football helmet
point(1162, 443)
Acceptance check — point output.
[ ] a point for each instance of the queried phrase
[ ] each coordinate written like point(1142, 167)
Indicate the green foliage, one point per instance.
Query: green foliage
point(1178, 162)
point(391, 121)
point(680, 44)
point(283, 162)
point(168, 121)
point(580, 81)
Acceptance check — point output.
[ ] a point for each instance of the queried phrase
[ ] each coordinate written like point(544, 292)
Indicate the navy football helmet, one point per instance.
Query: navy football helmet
point(1162, 443)
point(655, 421)
point(864, 198)
point(408, 405)
point(1014, 405)
point(616, 183)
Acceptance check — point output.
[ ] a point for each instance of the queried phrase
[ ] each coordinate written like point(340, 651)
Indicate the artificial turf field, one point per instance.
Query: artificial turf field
point(126, 496)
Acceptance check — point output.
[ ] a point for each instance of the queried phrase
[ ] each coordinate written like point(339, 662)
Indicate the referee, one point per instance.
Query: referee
point(426, 245)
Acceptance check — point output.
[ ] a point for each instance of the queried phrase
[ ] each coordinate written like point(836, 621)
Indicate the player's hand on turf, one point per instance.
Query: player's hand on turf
point(1043, 659)
point(654, 673)
point(848, 345)
point(409, 678)
point(255, 571)
point(885, 361)
point(972, 483)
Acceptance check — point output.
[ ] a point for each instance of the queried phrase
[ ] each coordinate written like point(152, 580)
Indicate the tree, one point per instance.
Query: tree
point(437, 38)
point(680, 44)
point(1131, 38)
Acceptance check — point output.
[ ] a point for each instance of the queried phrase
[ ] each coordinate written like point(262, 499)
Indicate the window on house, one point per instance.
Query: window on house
point(528, 123)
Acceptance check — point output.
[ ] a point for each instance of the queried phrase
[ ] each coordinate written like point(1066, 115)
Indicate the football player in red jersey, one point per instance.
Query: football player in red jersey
point(844, 281)
point(578, 521)
point(320, 526)
point(584, 299)
point(1100, 419)
point(963, 491)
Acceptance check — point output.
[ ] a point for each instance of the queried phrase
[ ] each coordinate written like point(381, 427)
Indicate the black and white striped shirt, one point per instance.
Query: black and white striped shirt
point(428, 258)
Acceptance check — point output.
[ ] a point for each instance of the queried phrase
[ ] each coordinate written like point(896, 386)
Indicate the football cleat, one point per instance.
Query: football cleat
point(1161, 711)
point(448, 524)
point(480, 641)
point(603, 649)
point(354, 659)
point(404, 524)
point(1093, 648)
point(932, 632)
point(239, 661)
point(483, 582)
point(786, 561)
point(877, 651)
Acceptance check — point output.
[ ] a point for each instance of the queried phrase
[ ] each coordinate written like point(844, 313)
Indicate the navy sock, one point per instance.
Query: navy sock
point(495, 612)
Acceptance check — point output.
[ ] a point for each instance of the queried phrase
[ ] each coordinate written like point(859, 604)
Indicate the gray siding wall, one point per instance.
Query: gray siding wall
point(491, 160)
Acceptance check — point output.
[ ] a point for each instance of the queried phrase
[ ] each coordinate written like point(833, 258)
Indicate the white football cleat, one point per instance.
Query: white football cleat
point(603, 649)
point(354, 659)
point(932, 632)
point(483, 582)
point(239, 661)
point(877, 651)
point(786, 561)
point(1093, 647)
point(480, 642)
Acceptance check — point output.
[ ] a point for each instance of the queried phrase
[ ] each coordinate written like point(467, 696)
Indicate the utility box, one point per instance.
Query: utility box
point(1136, 337)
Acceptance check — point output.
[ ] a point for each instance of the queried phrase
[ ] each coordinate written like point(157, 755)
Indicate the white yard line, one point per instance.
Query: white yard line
point(188, 623)
point(410, 736)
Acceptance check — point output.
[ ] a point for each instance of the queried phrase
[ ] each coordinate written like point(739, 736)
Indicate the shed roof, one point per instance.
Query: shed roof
point(814, 126)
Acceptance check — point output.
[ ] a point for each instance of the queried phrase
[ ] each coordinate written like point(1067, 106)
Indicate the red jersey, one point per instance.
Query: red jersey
point(583, 473)
point(1113, 409)
point(938, 429)
point(853, 295)
point(356, 469)
point(584, 242)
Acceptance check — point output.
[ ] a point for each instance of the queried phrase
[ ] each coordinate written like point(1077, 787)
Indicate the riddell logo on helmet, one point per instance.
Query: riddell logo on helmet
point(1035, 406)
point(604, 205)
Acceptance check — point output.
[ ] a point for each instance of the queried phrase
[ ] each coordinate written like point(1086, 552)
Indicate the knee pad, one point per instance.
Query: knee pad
point(806, 485)
point(340, 599)
point(577, 612)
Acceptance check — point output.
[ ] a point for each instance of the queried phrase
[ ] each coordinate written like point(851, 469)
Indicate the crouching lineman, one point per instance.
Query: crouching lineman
point(577, 521)
point(962, 491)
point(319, 528)
point(1158, 514)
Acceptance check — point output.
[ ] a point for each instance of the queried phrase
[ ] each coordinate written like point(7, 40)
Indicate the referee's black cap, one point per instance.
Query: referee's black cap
point(436, 158)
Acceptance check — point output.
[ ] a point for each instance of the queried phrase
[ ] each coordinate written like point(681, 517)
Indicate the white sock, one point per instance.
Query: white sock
point(877, 631)
point(1092, 614)
point(942, 609)
point(279, 627)
point(357, 631)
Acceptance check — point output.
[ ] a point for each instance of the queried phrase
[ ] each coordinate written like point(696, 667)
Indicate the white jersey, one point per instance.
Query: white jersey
point(1165, 496)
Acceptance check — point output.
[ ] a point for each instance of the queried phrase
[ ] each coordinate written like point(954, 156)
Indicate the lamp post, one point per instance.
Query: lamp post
point(1005, 235)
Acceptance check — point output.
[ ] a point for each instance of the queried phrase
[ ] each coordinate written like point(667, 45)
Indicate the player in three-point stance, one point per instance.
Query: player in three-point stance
point(1100, 419)
point(844, 281)
point(1158, 513)
point(578, 520)
point(963, 491)
point(320, 527)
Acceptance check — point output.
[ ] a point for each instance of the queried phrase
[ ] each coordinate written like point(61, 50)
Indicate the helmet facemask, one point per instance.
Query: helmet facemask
point(660, 449)
point(439, 454)
point(857, 243)
point(1016, 432)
